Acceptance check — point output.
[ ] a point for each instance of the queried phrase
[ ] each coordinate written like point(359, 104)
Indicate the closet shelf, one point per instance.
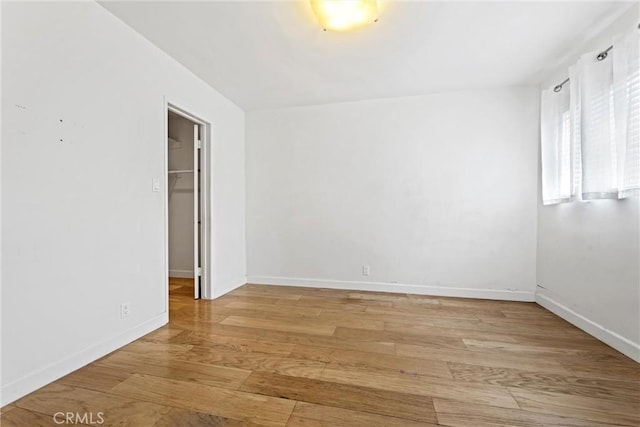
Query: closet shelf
point(182, 171)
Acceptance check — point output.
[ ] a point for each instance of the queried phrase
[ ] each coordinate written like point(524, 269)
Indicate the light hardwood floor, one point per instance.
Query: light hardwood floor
point(284, 356)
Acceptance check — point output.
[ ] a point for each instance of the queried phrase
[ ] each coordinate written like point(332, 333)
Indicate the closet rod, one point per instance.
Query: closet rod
point(182, 171)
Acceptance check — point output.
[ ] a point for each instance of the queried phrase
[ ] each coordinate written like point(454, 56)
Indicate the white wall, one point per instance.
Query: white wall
point(82, 231)
point(181, 198)
point(437, 194)
point(589, 252)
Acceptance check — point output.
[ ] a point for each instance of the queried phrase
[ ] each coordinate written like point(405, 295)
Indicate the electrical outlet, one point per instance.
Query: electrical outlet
point(365, 270)
point(124, 310)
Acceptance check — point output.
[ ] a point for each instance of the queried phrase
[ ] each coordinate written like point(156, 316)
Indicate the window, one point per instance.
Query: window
point(590, 129)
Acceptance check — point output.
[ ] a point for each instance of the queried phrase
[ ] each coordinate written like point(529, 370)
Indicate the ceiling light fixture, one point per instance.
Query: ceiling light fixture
point(344, 15)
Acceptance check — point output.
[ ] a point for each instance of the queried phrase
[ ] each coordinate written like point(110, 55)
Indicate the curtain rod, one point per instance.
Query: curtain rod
point(600, 57)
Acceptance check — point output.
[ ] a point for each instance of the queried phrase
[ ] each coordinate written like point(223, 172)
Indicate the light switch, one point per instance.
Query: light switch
point(155, 185)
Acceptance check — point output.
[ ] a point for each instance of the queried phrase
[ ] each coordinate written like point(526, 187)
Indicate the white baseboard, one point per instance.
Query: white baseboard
point(620, 343)
point(234, 284)
point(442, 291)
point(48, 374)
point(186, 274)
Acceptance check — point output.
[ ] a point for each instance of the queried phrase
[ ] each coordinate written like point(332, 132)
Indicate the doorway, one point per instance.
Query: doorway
point(186, 204)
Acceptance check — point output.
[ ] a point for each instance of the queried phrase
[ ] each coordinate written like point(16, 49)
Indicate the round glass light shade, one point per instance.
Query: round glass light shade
point(344, 15)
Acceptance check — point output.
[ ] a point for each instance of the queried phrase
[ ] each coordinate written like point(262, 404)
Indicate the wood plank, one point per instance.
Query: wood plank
point(230, 359)
point(95, 377)
point(418, 331)
point(237, 405)
point(272, 308)
point(590, 344)
point(482, 359)
point(590, 369)
point(601, 358)
point(316, 316)
point(490, 305)
point(586, 408)
point(464, 414)
point(278, 325)
point(401, 336)
point(161, 349)
point(264, 292)
point(312, 415)
point(520, 329)
point(423, 313)
point(423, 386)
point(186, 315)
point(386, 316)
point(283, 315)
point(212, 375)
point(374, 362)
point(6, 409)
point(380, 296)
point(224, 300)
point(344, 304)
point(351, 320)
point(373, 345)
point(538, 314)
point(363, 399)
point(163, 334)
point(186, 418)
point(229, 343)
point(590, 387)
point(56, 398)
point(19, 417)
point(517, 319)
point(526, 350)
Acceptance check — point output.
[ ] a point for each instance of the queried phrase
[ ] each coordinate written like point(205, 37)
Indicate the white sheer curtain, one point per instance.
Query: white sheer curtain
point(597, 139)
point(590, 129)
point(626, 81)
point(556, 149)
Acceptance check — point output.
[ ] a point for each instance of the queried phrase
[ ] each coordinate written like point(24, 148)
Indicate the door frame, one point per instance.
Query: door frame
point(205, 197)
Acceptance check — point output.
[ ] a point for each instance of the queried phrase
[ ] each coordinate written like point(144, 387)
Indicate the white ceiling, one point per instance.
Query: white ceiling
point(274, 54)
